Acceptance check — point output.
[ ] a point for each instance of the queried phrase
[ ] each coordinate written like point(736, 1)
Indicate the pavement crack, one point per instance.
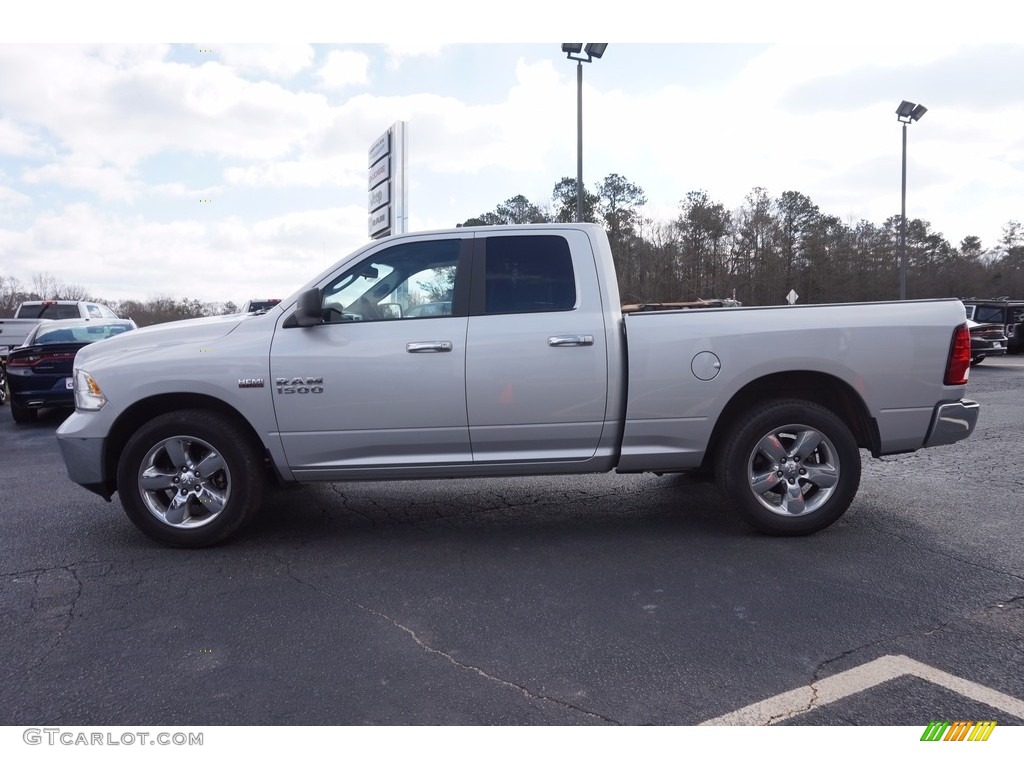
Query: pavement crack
point(347, 506)
point(819, 673)
point(815, 694)
point(74, 598)
point(446, 656)
point(916, 544)
point(484, 673)
point(67, 614)
point(37, 572)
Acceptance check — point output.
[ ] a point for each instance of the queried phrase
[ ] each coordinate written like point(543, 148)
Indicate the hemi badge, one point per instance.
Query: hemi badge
point(249, 383)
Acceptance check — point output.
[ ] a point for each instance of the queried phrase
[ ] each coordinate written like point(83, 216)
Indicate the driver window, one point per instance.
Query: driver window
point(405, 281)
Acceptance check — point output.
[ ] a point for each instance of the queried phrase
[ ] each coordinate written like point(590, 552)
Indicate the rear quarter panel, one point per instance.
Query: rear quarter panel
point(892, 354)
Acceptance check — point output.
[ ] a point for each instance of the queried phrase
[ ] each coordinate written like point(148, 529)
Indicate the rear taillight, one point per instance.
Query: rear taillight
point(959, 363)
point(23, 361)
point(26, 361)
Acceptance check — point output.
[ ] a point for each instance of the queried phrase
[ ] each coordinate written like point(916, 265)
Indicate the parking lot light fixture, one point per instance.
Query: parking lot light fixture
point(907, 112)
point(579, 53)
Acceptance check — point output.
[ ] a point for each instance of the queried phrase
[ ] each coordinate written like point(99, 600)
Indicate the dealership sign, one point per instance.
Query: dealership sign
point(386, 182)
point(379, 196)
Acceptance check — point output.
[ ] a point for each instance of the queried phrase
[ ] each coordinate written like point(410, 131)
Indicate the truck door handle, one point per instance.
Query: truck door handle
point(571, 341)
point(428, 346)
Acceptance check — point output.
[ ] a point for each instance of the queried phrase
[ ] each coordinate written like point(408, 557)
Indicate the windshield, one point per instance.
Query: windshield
point(77, 334)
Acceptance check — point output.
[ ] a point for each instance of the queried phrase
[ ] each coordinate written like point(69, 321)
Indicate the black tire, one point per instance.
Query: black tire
point(22, 414)
point(775, 489)
point(977, 359)
point(212, 490)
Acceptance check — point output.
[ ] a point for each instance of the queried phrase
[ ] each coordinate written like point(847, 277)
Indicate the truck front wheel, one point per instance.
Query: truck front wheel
point(190, 478)
point(791, 467)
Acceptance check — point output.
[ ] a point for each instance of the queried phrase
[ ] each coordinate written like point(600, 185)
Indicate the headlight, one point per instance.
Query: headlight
point(88, 395)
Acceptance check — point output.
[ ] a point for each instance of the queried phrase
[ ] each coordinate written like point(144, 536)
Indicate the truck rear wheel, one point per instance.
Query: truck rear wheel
point(190, 478)
point(792, 467)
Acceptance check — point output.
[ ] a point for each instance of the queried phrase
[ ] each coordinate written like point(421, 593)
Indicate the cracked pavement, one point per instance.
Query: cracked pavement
point(597, 600)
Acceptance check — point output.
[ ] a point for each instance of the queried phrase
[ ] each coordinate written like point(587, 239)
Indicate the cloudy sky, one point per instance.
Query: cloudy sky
point(226, 171)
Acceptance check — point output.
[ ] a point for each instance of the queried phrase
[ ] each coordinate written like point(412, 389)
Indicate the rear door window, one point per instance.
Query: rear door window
point(528, 274)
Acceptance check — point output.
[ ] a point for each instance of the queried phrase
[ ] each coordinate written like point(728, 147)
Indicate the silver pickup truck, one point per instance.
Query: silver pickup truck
point(525, 364)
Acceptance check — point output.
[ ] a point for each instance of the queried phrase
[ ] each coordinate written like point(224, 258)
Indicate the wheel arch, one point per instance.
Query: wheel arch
point(824, 389)
point(149, 408)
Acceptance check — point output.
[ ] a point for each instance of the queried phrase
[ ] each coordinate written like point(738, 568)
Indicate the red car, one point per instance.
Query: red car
point(39, 372)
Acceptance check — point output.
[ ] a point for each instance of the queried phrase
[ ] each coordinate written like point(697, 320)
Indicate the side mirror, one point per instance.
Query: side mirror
point(390, 311)
point(308, 309)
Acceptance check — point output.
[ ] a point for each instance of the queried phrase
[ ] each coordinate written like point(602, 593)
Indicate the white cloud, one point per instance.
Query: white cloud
point(308, 171)
point(344, 68)
point(399, 53)
point(104, 114)
point(129, 55)
point(108, 182)
point(447, 135)
point(177, 190)
point(16, 141)
point(130, 257)
point(134, 126)
point(276, 61)
point(11, 197)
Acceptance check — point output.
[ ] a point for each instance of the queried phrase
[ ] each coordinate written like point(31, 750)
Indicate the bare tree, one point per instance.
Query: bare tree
point(11, 295)
point(74, 292)
point(45, 286)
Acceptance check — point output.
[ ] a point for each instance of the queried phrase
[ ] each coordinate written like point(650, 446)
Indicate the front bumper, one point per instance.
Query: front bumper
point(952, 422)
point(84, 454)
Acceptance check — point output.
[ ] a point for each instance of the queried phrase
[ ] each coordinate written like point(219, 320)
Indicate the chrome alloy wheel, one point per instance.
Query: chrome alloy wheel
point(793, 470)
point(184, 482)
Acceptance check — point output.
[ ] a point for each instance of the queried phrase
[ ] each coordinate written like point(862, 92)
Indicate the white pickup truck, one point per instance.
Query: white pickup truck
point(528, 366)
point(29, 314)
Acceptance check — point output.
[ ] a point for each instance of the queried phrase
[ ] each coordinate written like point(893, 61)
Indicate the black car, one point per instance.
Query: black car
point(1009, 313)
point(987, 339)
point(39, 372)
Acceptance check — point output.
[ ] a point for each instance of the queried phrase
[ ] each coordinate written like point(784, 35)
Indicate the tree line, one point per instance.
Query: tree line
point(161, 309)
point(754, 253)
point(759, 251)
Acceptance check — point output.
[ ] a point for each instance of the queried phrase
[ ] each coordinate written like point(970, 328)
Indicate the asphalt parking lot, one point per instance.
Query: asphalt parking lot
point(571, 601)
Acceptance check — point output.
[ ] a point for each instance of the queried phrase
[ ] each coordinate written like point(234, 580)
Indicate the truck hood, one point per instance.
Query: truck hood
point(197, 331)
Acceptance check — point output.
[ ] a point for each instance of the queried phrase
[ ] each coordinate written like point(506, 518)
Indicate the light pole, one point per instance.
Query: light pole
point(572, 51)
point(907, 112)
